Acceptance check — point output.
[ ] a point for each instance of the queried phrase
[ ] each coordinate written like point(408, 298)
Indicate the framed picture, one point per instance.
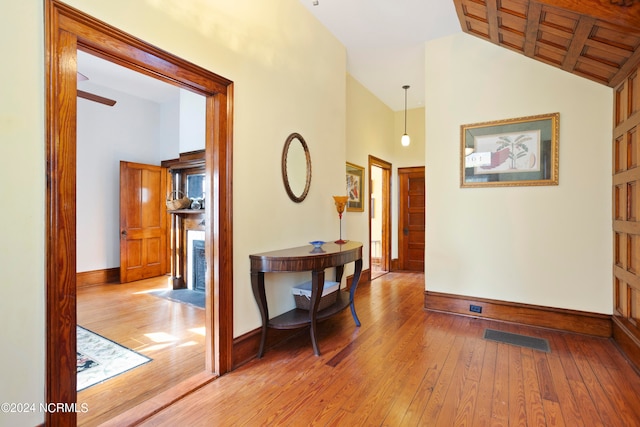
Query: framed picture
point(512, 152)
point(355, 188)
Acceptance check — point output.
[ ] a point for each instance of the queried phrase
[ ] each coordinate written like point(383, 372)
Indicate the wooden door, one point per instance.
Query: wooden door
point(143, 221)
point(411, 236)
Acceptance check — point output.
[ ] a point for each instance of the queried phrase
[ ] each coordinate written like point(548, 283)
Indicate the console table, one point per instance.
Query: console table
point(306, 258)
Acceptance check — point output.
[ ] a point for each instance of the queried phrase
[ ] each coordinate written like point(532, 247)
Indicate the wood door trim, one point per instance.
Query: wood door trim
point(66, 31)
point(386, 225)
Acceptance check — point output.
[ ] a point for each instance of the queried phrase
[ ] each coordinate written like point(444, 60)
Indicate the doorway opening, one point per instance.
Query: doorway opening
point(142, 128)
point(68, 30)
point(379, 217)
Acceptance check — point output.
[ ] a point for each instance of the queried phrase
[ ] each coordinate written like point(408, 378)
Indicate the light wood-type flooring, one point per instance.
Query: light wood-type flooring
point(170, 333)
point(408, 367)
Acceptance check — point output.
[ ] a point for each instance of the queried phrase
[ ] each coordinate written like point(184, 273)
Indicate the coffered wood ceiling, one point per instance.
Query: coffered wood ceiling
point(596, 39)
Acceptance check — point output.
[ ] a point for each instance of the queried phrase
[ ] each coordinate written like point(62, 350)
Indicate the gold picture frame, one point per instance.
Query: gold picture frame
point(514, 152)
point(355, 188)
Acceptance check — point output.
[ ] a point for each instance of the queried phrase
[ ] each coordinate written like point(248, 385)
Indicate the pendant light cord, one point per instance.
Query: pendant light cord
point(405, 107)
point(405, 140)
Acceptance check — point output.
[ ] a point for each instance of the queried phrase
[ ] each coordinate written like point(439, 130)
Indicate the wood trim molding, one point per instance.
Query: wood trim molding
point(97, 277)
point(531, 315)
point(365, 277)
point(67, 30)
point(628, 343)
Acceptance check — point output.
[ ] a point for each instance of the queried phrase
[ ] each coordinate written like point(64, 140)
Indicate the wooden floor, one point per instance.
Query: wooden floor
point(170, 333)
point(408, 367)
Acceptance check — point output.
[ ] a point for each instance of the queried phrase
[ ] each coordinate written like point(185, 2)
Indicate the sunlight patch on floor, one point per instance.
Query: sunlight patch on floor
point(157, 347)
point(146, 291)
point(200, 331)
point(161, 337)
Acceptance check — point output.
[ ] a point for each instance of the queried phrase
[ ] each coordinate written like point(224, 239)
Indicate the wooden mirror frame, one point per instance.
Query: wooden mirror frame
point(285, 176)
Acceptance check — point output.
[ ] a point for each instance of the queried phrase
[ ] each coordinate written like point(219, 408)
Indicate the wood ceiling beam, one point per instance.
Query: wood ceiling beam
point(625, 70)
point(492, 20)
point(461, 16)
point(585, 24)
point(625, 16)
point(533, 24)
point(602, 37)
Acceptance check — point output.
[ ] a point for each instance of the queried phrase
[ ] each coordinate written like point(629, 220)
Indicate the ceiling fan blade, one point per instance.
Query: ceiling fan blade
point(96, 98)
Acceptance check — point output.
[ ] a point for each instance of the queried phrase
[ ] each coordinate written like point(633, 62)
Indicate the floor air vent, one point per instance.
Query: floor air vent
point(517, 339)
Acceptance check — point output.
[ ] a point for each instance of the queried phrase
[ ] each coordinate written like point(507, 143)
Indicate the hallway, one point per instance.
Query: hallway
point(408, 367)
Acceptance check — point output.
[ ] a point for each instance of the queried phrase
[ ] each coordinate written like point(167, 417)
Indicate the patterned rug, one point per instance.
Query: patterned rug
point(99, 358)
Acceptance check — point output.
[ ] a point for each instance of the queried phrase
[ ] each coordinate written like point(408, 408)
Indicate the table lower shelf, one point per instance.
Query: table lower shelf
point(298, 318)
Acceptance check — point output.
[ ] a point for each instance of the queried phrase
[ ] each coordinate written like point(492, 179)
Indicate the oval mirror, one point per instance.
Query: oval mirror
point(296, 167)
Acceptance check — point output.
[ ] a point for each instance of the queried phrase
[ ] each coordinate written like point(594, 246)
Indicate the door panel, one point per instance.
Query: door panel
point(143, 221)
point(411, 219)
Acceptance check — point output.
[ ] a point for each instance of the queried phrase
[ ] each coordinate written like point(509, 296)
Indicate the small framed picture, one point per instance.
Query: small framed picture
point(355, 188)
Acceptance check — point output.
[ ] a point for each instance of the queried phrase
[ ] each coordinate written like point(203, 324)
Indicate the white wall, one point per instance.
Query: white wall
point(264, 49)
point(548, 246)
point(289, 76)
point(193, 111)
point(22, 245)
point(131, 131)
point(170, 122)
point(370, 128)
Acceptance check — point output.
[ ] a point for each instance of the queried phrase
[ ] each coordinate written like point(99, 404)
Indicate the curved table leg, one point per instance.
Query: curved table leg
point(257, 284)
point(339, 272)
point(352, 291)
point(317, 286)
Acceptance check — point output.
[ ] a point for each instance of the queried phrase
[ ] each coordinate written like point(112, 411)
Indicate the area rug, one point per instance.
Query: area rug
point(99, 358)
point(184, 296)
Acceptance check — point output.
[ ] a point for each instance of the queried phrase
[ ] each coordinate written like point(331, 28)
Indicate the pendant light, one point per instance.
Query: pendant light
point(405, 140)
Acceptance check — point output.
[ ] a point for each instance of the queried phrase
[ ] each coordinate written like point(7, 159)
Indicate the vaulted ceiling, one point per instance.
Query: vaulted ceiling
point(595, 39)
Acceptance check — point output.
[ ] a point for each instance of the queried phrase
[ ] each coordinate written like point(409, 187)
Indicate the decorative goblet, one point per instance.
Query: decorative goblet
point(341, 202)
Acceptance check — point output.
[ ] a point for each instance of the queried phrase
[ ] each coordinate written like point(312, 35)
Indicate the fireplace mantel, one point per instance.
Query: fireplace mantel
point(183, 220)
